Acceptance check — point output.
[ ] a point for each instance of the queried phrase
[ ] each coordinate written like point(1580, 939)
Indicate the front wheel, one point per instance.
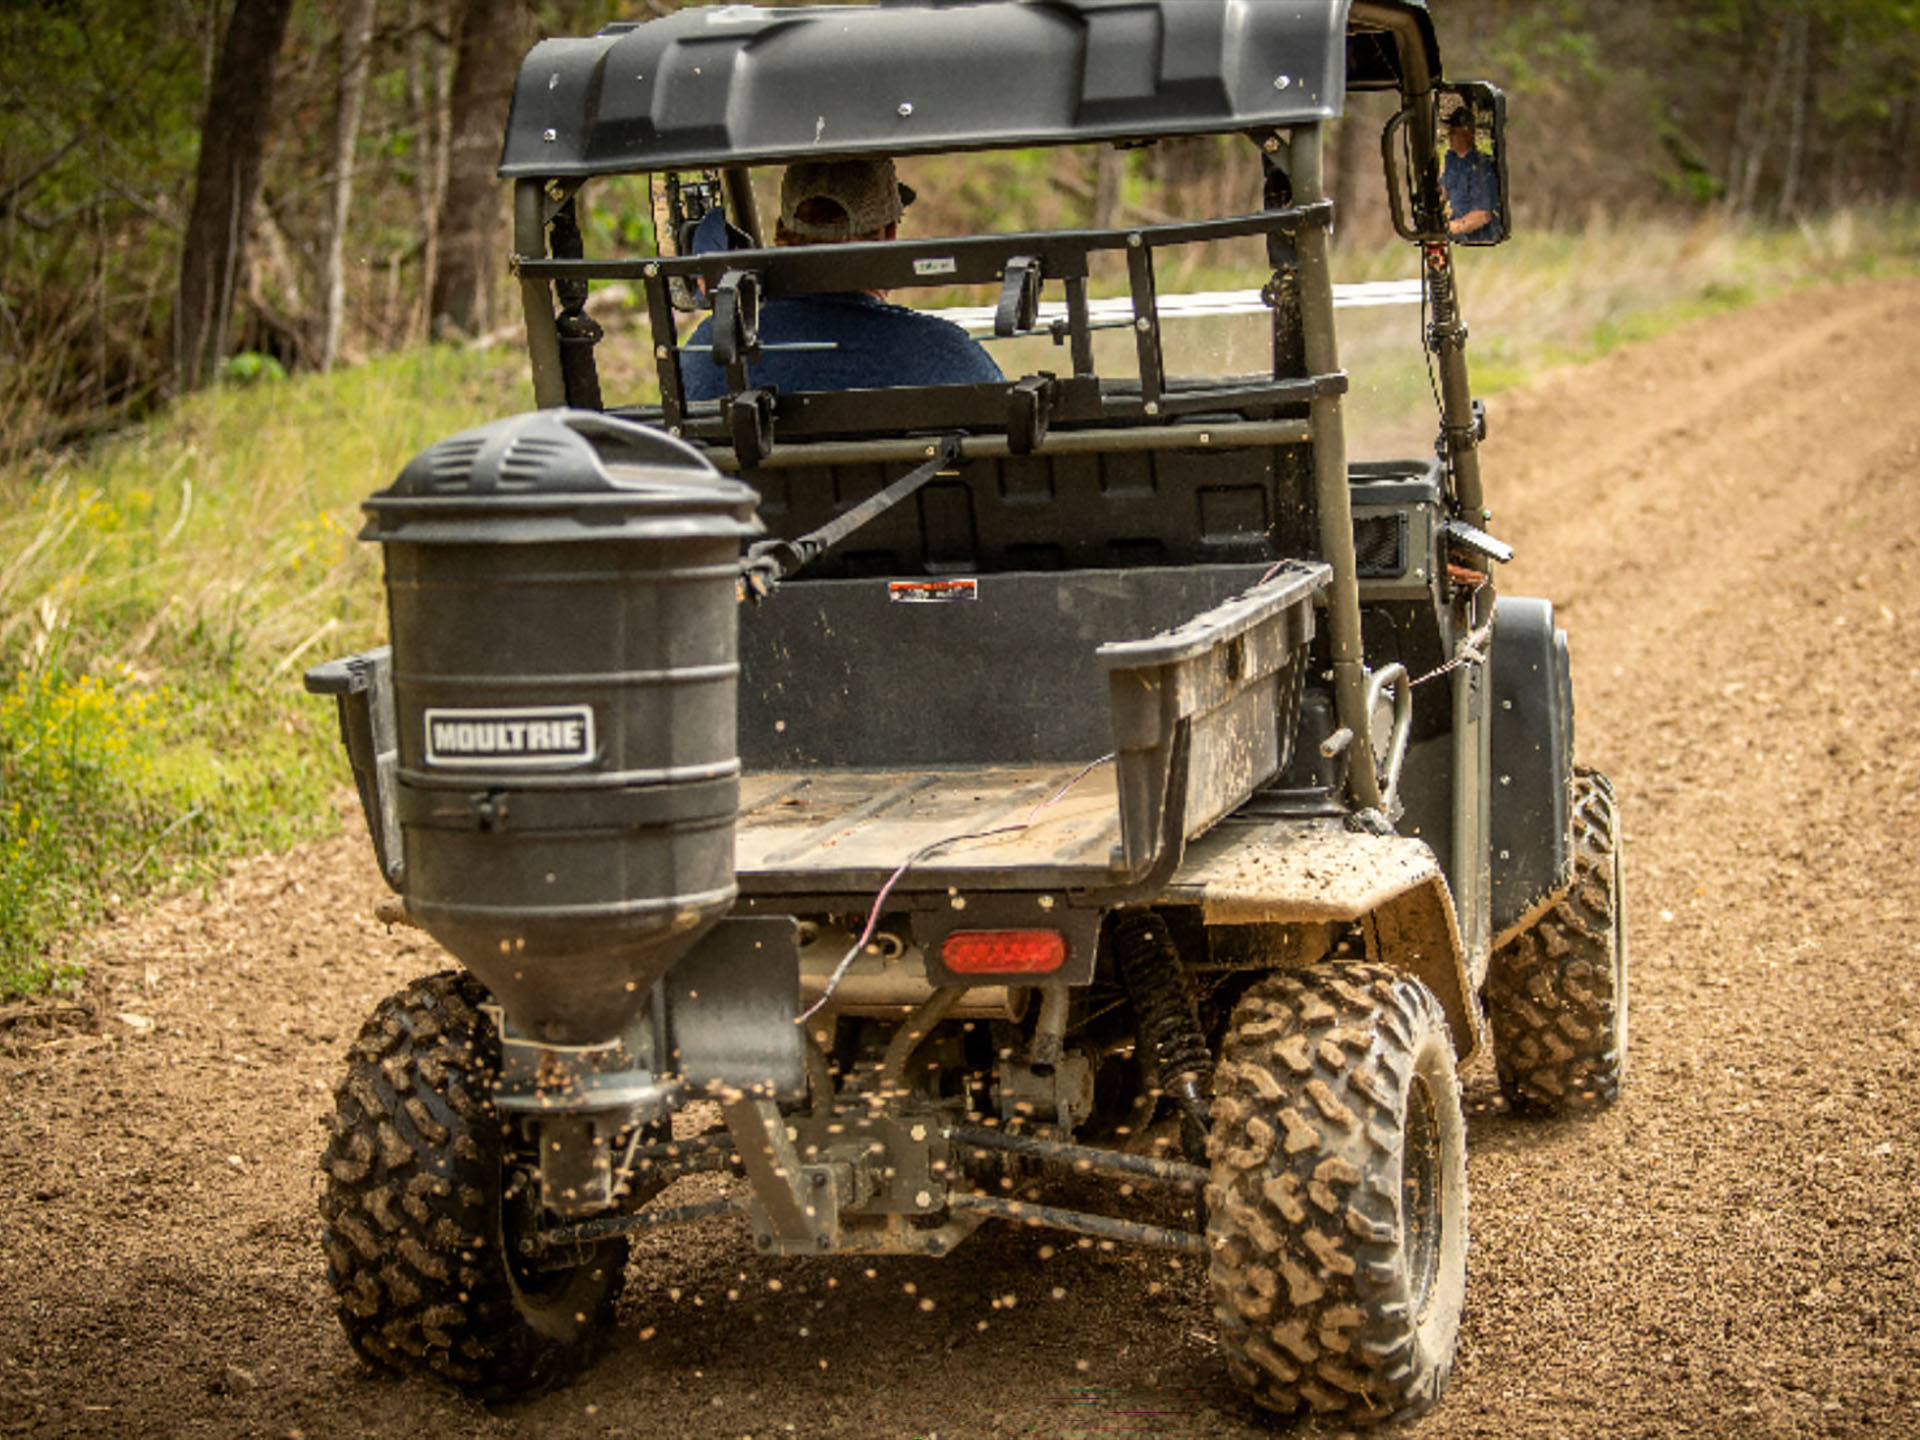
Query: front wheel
point(421, 1234)
point(1556, 995)
point(1338, 1200)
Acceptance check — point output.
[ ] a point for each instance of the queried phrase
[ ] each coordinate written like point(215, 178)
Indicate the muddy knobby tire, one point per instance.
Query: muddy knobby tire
point(415, 1233)
point(1556, 995)
point(1337, 1206)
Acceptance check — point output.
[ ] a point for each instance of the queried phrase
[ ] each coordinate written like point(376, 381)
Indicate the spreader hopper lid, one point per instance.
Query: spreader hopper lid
point(557, 475)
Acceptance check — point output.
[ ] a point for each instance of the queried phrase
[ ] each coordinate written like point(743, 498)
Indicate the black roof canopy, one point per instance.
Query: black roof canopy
point(741, 84)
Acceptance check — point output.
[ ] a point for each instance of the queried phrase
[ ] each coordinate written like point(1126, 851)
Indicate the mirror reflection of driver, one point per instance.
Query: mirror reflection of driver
point(875, 345)
point(1472, 186)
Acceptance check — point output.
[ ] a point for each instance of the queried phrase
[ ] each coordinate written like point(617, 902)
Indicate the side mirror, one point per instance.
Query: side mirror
point(1471, 119)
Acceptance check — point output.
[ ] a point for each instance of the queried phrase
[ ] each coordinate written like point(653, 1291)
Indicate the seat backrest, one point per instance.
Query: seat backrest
point(1116, 509)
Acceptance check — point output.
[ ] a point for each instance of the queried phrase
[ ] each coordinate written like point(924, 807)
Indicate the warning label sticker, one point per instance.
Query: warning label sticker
point(923, 592)
point(548, 735)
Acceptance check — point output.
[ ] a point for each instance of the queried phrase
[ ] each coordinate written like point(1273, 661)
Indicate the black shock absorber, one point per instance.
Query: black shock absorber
point(1168, 1020)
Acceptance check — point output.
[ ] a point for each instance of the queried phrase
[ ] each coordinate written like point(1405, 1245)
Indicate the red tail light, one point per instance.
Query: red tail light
point(1004, 952)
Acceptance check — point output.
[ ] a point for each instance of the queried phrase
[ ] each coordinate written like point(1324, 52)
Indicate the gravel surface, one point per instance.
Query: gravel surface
point(1726, 520)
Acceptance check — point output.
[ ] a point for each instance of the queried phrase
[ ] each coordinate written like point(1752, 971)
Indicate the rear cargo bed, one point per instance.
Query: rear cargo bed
point(835, 829)
point(1198, 716)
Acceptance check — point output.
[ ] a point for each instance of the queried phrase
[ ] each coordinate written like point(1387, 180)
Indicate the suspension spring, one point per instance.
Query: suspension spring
point(1168, 1020)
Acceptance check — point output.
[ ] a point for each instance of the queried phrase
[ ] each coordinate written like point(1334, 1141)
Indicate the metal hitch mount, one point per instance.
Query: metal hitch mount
point(720, 1025)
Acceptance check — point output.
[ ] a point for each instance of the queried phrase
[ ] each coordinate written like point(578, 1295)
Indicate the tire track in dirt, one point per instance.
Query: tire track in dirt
point(1726, 517)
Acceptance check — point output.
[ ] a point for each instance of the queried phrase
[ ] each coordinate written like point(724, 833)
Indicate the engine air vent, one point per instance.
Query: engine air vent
point(1380, 546)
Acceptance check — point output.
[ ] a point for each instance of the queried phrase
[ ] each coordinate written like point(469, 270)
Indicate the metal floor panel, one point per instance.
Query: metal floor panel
point(850, 825)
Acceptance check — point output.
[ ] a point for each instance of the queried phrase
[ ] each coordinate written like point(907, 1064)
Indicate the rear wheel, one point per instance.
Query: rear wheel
point(1556, 995)
point(421, 1215)
point(1337, 1206)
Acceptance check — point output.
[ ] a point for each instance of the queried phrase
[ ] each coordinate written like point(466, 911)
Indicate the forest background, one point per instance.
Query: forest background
point(252, 257)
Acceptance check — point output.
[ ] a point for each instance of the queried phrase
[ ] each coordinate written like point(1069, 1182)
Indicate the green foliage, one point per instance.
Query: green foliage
point(69, 775)
point(1547, 51)
point(1638, 326)
point(619, 217)
point(1690, 178)
point(249, 367)
point(114, 786)
point(98, 124)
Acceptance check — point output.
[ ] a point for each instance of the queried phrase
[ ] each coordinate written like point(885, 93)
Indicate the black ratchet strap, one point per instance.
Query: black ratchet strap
point(771, 561)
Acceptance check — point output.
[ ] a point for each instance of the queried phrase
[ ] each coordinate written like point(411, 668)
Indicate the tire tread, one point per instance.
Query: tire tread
point(1308, 1269)
point(410, 1210)
point(1556, 993)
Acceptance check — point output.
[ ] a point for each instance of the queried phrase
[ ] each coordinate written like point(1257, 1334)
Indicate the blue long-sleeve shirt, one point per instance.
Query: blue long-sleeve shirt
point(875, 345)
point(1471, 184)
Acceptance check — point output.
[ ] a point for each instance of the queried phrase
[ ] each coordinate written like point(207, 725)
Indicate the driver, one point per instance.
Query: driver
point(1473, 189)
point(875, 345)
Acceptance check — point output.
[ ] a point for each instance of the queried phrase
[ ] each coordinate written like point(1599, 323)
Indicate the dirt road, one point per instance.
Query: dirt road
point(1727, 519)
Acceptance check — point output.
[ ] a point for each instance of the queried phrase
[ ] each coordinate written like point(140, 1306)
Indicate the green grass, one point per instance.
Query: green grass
point(161, 591)
point(1544, 301)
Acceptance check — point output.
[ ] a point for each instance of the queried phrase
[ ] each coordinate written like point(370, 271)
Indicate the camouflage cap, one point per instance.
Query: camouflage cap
point(867, 192)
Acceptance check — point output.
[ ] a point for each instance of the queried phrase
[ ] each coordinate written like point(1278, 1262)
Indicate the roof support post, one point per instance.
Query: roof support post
point(1447, 340)
point(531, 211)
point(737, 186)
point(1334, 501)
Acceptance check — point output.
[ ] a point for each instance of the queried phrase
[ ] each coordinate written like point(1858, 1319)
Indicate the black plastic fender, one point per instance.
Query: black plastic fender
point(1531, 834)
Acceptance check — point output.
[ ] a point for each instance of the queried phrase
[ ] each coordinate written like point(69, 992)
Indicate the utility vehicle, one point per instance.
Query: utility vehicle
point(1087, 801)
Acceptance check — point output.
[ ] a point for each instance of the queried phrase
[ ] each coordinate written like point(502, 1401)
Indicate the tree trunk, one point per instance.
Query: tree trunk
point(487, 60)
point(356, 39)
point(1903, 180)
point(1802, 82)
point(1109, 171)
point(233, 135)
point(428, 95)
point(1745, 186)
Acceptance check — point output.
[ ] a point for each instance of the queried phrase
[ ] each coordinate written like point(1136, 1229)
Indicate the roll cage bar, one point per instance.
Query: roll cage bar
point(1020, 264)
